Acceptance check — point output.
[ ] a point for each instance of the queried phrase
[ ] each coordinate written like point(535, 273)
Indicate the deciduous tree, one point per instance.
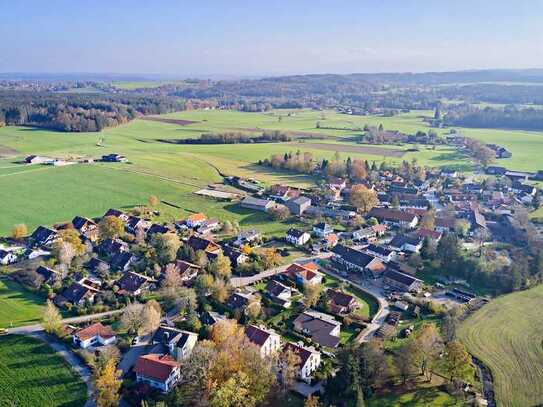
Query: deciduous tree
point(19, 231)
point(108, 383)
point(110, 227)
point(363, 198)
point(52, 320)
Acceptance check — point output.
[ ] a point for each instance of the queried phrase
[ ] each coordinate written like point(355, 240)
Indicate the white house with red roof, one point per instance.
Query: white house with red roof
point(158, 371)
point(267, 341)
point(196, 219)
point(304, 273)
point(94, 335)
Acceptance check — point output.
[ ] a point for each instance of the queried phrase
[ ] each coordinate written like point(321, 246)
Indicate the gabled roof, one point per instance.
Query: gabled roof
point(257, 335)
point(96, 329)
point(158, 367)
point(200, 243)
point(339, 298)
point(78, 222)
point(296, 233)
point(303, 353)
point(76, 292)
point(319, 326)
point(46, 272)
point(402, 278)
point(131, 282)
point(42, 234)
point(353, 256)
point(391, 215)
point(120, 260)
point(306, 271)
point(276, 288)
point(197, 217)
point(166, 335)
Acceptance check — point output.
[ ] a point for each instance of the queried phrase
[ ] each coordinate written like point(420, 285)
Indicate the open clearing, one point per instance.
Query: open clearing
point(169, 121)
point(173, 172)
point(31, 374)
point(507, 336)
point(18, 306)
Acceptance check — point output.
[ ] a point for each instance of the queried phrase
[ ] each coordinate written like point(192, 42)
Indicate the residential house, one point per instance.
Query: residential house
point(7, 257)
point(284, 192)
point(357, 261)
point(49, 275)
point(76, 294)
point(209, 226)
point(207, 245)
point(135, 223)
point(321, 328)
point(257, 204)
point(267, 341)
point(111, 247)
point(179, 343)
point(304, 273)
point(117, 213)
point(405, 243)
point(195, 220)
point(186, 270)
point(297, 237)
point(235, 255)
point(249, 236)
point(279, 293)
point(158, 371)
point(211, 317)
point(322, 229)
point(330, 240)
point(401, 281)
point(299, 205)
point(132, 283)
point(239, 300)
point(94, 335)
point(95, 265)
point(121, 261)
point(36, 159)
point(86, 227)
point(520, 188)
point(369, 233)
point(310, 359)
point(341, 303)
point(44, 236)
point(419, 203)
point(380, 252)
point(443, 225)
point(433, 235)
point(156, 228)
point(493, 170)
point(394, 217)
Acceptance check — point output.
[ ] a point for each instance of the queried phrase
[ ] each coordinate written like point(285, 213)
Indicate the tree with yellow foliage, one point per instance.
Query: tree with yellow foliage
point(108, 383)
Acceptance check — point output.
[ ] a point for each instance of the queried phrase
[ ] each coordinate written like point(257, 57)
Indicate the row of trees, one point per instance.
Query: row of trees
point(239, 138)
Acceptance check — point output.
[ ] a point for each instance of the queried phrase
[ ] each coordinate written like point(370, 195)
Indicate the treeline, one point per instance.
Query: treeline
point(508, 118)
point(78, 112)
point(239, 138)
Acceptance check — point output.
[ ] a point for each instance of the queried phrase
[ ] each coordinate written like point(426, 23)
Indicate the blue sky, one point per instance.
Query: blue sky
point(232, 37)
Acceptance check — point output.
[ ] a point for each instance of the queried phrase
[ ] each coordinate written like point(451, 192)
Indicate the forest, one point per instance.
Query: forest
point(509, 117)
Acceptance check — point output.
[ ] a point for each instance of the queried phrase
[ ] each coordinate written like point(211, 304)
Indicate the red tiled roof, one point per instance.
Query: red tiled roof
point(306, 271)
point(93, 330)
point(429, 233)
point(155, 366)
point(197, 217)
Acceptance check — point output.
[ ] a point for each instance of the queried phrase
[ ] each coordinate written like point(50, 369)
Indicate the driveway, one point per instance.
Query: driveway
point(130, 357)
point(375, 291)
point(243, 281)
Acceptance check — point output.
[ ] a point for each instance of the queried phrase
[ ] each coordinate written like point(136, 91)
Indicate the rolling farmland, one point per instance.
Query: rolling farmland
point(507, 336)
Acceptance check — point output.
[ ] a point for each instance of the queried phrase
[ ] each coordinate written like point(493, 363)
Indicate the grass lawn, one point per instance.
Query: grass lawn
point(31, 374)
point(507, 336)
point(18, 306)
point(425, 396)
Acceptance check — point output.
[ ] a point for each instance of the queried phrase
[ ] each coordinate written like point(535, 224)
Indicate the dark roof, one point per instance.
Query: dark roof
point(94, 263)
point(256, 335)
point(319, 326)
point(114, 212)
point(156, 228)
point(353, 256)
point(78, 222)
point(275, 288)
point(121, 260)
point(402, 278)
point(400, 240)
point(238, 300)
point(199, 243)
point(131, 282)
point(42, 234)
point(76, 292)
point(339, 298)
point(46, 273)
point(298, 350)
point(322, 226)
point(383, 251)
point(110, 247)
point(232, 253)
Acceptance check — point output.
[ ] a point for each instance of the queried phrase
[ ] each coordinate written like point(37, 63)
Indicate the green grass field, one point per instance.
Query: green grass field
point(31, 374)
point(507, 336)
point(45, 195)
point(428, 397)
point(18, 306)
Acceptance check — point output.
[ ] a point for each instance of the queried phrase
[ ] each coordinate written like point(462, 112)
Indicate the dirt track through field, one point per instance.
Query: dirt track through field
point(386, 152)
point(7, 152)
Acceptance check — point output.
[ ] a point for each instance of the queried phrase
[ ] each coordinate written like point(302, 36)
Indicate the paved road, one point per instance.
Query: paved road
point(243, 281)
point(29, 329)
point(379, 318)
point(130, 357)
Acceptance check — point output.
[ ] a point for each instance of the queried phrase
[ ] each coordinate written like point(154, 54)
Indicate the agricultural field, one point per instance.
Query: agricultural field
point(31, 374)
point(506, 335)
point(18, 306)
point(46, 195)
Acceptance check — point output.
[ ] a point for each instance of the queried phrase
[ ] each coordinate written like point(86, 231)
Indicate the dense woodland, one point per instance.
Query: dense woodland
point(508, 118)
point(78, 112)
